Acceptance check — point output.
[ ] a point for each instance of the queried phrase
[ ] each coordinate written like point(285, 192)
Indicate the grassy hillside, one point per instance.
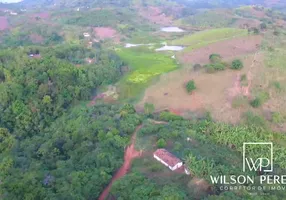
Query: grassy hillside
point(144, 66)
point(204, 38)
point(210, 19)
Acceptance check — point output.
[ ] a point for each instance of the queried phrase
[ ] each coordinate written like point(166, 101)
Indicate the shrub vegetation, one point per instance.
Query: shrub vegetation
point(214, 67)
point(190, 86)
point(215, 58)
point(161, 143)
point(236, 64)
point(255, 103)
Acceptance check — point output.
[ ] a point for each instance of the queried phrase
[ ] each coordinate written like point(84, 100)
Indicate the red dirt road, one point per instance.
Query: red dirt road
point(130, 154)
point(237, 88)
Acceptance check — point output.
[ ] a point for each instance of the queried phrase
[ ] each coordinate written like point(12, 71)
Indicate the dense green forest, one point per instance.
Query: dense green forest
point(74, 158)
point(48, 149)
point(57, 145)
point(34, 92)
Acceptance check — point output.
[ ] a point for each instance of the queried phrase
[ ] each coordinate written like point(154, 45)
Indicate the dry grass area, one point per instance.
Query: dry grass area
point(257, 13)
point(277, 97)
point(214, 93)
point(227, 49)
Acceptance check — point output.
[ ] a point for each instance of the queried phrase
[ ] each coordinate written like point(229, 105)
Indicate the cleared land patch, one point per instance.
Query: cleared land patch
point(155, 15)
point(205, 38)
point(227, 49)
point(104, 32)
point(214, 92)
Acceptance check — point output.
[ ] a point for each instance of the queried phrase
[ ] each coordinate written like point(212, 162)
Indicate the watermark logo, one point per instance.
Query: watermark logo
point(257, 157)
point(263, 161)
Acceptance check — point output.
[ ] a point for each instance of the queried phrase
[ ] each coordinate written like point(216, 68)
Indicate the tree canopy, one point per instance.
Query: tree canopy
point(50, 149)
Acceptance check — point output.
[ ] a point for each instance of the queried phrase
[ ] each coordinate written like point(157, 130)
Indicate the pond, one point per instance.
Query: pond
point(172, 29)
point(170, 48)
point(129, 45)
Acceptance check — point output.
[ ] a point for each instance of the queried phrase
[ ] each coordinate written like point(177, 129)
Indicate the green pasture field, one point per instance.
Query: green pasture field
point(210, 19)
point(144, 66)
point(143, 37)
point(205, 38)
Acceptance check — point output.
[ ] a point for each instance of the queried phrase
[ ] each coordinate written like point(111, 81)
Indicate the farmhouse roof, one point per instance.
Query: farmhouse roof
point(167, 157)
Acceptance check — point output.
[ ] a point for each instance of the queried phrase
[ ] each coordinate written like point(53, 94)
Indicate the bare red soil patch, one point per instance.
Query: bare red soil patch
point(130, 154)
point(227, 49)
point(238, 89)
point(155, 15)
point(104, 32)
point(3, 23)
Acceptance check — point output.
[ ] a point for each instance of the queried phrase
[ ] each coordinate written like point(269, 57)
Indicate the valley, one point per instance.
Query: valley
point(90, 90)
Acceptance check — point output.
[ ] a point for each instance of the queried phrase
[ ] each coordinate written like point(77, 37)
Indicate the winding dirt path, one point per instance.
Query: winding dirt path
point(237, 88)
point(129, 155)
point(246, 90)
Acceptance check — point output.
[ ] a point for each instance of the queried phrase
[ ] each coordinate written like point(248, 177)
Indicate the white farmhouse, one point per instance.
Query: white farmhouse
point(167, 159)
point(13, 13)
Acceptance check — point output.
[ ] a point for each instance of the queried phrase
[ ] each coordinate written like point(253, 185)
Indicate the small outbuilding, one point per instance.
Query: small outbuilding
point(167, 159)
point(86, 34)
